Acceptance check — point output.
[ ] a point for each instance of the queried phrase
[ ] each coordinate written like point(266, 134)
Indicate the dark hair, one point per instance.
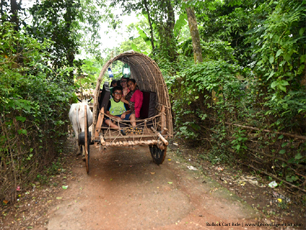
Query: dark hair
point(132, 80)
point(117, 88)
point(114, 82)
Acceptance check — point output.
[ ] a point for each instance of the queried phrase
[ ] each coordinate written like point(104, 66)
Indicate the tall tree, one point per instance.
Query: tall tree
point(14, 10)
point(10, 11)
point(150, 23)
point(62, 22)
point(193, 26)
point(161, 18)
point(165, 20)
point(56, 20)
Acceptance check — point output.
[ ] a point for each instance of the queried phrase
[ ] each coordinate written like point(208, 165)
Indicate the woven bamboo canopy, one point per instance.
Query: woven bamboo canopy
point(148, 77)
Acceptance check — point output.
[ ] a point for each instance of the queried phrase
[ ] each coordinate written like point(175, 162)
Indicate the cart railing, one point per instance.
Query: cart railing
point(149, 136)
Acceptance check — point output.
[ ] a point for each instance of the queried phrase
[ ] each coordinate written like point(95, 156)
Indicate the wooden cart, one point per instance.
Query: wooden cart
point(156, 117)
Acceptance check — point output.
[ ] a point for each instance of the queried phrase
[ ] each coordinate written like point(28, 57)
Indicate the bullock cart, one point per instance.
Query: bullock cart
point(155, 123)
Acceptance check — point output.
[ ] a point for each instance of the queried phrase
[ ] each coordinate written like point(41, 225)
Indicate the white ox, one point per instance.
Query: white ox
point(77, 118)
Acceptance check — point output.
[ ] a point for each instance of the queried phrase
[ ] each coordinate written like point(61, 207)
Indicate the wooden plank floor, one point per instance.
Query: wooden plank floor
point(111, 134)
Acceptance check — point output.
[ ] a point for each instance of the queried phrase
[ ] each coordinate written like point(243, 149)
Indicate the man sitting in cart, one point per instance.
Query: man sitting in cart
point(117, 110)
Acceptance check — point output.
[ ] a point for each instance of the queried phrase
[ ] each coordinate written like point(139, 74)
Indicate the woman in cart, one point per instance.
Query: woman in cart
point(125, 88)
point(134, 99)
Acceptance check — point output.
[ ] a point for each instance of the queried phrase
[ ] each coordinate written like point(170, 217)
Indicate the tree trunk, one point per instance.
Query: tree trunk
point(170, 27)
point(150, 23)
point(165, 24)
point(14, 10)
point(193, 27)
point(1, 11)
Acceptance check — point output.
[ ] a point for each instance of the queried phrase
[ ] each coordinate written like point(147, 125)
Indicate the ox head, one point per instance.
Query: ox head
point(84, 100)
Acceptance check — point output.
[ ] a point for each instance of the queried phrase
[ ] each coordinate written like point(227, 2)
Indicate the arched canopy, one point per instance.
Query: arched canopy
point(148, 77)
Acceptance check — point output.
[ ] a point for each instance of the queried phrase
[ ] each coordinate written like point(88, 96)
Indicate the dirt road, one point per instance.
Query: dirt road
point(126, 190)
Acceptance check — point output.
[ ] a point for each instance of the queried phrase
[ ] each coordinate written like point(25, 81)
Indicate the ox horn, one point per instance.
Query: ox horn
point(79, 99)
point(89, 100)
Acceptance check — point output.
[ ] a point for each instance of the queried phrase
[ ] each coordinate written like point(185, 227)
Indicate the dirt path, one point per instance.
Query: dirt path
point(126, 190)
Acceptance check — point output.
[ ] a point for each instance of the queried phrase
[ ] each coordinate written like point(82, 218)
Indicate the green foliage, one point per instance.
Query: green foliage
point(34, 106)
point(55, 167)
point(226, 22)
point(144, 36)
point(139, 43)
point(86, 80)
point(239, 143)
point(179, 24)
point(70, 25)
point(161, 22)
point(218, 76)
point(279, 42)
point(215, 50)
point(56, 20)
point(266, 94)
point(219, 146)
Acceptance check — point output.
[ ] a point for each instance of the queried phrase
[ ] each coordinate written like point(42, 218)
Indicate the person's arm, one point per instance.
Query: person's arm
point(113, 117)
point(124, 101)
point(125, 113)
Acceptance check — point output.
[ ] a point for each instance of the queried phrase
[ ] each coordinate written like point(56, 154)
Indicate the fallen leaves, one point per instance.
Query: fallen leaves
point(5, 202)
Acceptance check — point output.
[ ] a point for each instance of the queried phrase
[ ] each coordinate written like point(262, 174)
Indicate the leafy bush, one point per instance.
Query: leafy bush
point(34, 107)
point(193, 91)
point(279, 44)
point(253, 115)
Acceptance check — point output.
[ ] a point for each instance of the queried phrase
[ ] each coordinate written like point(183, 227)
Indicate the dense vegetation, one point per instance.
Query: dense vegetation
point(37, 62)
point(34, 106)
point(236, 75)
point(245, 100)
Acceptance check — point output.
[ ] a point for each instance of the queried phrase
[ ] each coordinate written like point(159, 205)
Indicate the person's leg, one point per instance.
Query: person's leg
point(133, 120)
point(135, 130)
point(111, 124)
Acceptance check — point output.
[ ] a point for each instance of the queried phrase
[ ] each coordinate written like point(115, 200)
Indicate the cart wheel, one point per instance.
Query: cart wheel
point(157, 154)
point(87, 145)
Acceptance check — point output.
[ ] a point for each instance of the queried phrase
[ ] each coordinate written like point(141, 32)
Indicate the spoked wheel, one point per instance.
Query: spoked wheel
point(157, 154)
point(87, 145)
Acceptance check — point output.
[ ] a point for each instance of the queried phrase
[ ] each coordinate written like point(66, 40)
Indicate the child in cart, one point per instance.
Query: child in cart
point(117, 110)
